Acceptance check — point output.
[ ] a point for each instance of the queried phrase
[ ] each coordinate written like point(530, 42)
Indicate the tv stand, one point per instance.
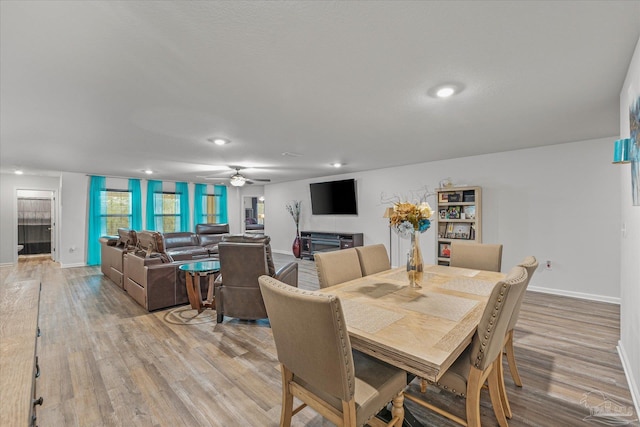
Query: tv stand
point(320, 241)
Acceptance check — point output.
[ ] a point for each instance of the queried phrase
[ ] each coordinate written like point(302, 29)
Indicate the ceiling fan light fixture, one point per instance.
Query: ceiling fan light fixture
point(238, 180)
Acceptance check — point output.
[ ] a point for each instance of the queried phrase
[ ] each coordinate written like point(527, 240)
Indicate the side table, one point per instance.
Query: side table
point(193, 272)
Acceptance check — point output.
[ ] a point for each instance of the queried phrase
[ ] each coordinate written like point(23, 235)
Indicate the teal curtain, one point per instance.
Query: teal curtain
point(97, 208)
point(198, 203)
point(153, 187)
point(136, 204)
point(221, 207)
point(182, 189)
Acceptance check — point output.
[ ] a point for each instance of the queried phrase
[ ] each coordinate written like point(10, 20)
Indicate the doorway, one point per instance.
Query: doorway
point(36, 221)
point(254, 214)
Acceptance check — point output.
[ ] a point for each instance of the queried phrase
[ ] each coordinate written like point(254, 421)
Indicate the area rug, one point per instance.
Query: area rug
point(187, 316)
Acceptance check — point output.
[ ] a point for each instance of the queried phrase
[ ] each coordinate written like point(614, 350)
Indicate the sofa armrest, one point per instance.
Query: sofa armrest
point(288, 274)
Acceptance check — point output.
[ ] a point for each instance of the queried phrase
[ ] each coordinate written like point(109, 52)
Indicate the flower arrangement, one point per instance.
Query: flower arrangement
point(294, 207)
point(410, 217)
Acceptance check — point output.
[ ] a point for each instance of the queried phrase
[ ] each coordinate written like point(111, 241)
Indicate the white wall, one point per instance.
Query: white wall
point(9, 184)
point(73, 219)
point(630, 244)
point(558, 203)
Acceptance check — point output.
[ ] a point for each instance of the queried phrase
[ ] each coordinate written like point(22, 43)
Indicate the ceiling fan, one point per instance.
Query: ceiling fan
point(238, 179)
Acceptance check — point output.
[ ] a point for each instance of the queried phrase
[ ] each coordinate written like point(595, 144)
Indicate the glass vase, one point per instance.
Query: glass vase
point(415, 266)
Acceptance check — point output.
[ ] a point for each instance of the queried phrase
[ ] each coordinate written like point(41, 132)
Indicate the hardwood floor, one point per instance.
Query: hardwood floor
point(105, 361)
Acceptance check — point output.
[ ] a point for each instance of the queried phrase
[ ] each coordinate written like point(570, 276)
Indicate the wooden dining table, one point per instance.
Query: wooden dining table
point(421, 330)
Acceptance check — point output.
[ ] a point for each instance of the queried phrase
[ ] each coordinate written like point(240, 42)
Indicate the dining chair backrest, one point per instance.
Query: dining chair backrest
point(311, 337)
point(337, 267)
point(530, 264)
point(477, 256)
point(373, 259)
point(488, 340)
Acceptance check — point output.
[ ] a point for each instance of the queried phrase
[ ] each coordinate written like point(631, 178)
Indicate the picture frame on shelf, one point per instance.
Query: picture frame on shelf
point(462, 231)
point(453, 212)
point(443, 214)
point(442, 230)
point(444, 250)
point(443, 197)
point(454, 197)
point(469, 211)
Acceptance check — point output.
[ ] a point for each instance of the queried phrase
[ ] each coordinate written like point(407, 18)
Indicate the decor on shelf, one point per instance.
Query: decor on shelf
point(409, 220)
point(294, 208)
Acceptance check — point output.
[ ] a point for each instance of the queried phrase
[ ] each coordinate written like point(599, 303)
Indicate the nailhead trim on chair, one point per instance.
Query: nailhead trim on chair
point(496, 309)
point(333, 299)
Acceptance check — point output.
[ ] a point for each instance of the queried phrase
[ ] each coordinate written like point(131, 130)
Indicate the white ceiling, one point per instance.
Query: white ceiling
point(117, 87)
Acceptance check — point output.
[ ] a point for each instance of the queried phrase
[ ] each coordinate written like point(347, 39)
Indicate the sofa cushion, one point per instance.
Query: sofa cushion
point(180, 239)
point(187, 252)
point(127, 238)
point(212, 229)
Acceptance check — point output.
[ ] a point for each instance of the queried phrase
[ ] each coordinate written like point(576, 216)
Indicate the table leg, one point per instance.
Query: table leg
point(193, 292)
point(211, 299)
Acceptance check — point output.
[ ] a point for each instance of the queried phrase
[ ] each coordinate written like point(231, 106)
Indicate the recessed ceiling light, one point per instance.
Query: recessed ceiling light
point(219, 141)
point(148, 171)
point(18, 172)
point(337, 165)
point(445, 92)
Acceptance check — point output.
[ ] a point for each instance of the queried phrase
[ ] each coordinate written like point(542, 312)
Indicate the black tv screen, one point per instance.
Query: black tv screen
point(334, 198)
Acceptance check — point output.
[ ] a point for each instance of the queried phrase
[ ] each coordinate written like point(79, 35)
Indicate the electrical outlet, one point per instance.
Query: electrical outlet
point(547, 266)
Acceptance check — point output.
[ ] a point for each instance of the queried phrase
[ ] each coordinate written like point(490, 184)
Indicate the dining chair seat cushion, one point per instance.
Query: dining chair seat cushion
point(375, 381)
point(454, 380)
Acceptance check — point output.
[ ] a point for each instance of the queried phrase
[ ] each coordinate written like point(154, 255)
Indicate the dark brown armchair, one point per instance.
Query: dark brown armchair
point(244, 258)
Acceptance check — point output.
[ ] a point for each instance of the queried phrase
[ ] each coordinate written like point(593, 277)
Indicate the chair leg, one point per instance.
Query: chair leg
point(474, 385)
point(287, 398)
point(494, 393)
point(511, 358)
point(503, 391)
point(397, 409)
point(423, 385)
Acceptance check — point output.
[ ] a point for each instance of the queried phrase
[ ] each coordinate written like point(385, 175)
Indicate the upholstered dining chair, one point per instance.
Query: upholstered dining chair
point(530, 264)
point(373, 259)
point(317, 363)
point(478, 363)
point(337, 267)
point(478, 256)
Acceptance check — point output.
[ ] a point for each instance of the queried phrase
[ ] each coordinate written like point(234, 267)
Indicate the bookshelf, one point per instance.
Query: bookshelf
point(459, 217)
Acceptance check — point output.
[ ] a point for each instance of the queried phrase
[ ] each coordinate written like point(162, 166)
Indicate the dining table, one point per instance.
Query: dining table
point(420, 330)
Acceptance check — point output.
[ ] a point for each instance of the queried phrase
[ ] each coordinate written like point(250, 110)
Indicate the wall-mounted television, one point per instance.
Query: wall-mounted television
point(334, 198)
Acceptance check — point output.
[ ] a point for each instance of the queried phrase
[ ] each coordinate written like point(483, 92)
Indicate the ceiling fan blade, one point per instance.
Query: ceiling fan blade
point(261, 180)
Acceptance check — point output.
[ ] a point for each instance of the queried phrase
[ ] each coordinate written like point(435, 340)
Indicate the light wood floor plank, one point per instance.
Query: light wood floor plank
point(107, 362)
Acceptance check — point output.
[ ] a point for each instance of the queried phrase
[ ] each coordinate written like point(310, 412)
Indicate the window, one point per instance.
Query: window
point(211, 214)
point(167, 212)
point(117, 210)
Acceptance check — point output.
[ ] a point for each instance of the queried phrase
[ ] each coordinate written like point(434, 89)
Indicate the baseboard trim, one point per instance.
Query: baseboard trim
point(277, 251)
point(7, 264)
point(633, 386)
point(580, 295)
point(76, 264)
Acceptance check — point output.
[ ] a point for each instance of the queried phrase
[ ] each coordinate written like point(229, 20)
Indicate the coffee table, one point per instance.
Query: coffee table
point(193, 272)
